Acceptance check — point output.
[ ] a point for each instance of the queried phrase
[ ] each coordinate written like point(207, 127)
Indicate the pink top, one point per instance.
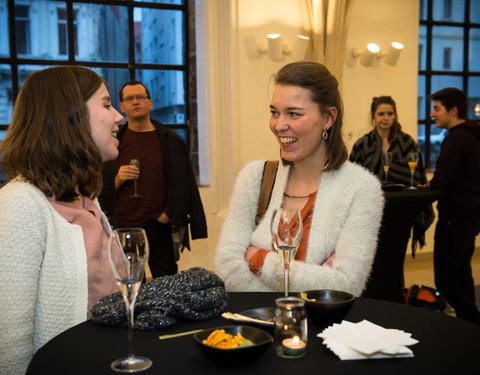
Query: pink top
point(100, 276)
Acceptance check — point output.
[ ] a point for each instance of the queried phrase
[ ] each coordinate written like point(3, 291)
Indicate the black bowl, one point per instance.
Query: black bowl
point(327, 306)
point(240, 355)
point(262, 313)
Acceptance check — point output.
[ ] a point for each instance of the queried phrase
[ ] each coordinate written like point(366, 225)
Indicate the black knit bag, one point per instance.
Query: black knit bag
point(195, 294)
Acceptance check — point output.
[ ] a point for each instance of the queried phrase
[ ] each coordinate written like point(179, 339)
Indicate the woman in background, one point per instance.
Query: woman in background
point(53, 235)
point(341, 203)
point(387, 136)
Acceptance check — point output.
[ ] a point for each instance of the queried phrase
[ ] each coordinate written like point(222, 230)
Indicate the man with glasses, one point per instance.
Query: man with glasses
point(167, 200)
point(457, 173)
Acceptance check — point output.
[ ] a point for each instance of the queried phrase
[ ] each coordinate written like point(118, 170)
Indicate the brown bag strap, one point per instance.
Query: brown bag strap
point(268, 179)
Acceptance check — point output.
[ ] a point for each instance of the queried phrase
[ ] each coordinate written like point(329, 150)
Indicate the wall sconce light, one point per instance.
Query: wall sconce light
point(393, 53)
point(373, 50)
point(300, 47)
point(366, 57)
point(276, 48)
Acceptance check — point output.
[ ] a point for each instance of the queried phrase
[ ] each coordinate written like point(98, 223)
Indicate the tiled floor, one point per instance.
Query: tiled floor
point(419, 270)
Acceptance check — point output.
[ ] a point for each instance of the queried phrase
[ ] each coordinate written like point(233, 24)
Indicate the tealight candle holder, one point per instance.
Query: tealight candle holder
point(291, 331)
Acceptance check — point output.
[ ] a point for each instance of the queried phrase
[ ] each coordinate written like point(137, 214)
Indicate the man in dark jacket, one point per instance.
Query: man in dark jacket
point(168, 201)
point(458, 175)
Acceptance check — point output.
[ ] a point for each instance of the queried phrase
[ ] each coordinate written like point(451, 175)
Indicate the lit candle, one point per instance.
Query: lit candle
point(294, 346)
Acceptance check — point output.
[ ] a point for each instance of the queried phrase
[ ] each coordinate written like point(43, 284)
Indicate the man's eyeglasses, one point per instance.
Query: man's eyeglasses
point(135, 97)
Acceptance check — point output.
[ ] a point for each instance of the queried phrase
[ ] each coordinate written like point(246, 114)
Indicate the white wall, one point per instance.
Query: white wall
point(381, 22)
point(256, 19)
point(234, 105)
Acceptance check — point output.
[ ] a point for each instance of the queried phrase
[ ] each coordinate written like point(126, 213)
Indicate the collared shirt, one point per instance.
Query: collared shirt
point(101, 281)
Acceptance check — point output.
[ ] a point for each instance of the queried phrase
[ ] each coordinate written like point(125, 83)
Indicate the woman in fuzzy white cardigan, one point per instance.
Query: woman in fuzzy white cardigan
point(52, 232)
point(306, 118)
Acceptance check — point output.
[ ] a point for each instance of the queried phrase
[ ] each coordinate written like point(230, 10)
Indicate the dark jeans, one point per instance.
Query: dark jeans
point(453, 251)
point(162, 259)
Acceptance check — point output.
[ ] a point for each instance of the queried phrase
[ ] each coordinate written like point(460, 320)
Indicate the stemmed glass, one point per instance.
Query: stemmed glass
point(135, 163)
point(286, 227)
point(412, 164)
point(128, 254)
point(386, 159)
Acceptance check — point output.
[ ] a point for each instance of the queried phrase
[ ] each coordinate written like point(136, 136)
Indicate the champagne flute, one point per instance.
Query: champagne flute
point(128, 253)
point(387, 159)
point(286, 227)
point(135, 163)
point(412, 164)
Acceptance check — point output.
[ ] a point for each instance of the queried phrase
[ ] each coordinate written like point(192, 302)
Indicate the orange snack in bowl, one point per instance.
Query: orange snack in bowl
point(222, 340)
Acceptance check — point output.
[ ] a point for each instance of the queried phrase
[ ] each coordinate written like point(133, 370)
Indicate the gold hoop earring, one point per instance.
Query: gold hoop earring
point(325, 135)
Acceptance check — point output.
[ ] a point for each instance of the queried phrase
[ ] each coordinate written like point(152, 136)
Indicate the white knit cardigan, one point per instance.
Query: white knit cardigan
point(43, 274)
point(346, 220)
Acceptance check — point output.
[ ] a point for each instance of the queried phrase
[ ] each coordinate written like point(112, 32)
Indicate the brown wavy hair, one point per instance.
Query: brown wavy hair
point(396, 127)
point(323, 88)
point(49, 142)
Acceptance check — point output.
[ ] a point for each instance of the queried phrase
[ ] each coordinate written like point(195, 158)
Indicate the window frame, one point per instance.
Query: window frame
point(188, 67)
point(465, 74)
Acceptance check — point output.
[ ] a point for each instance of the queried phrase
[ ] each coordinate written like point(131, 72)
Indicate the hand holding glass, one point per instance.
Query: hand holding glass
point(412, 164)
point(135, 163)
point(386, 159)
point(128, 254)
point(286, 227)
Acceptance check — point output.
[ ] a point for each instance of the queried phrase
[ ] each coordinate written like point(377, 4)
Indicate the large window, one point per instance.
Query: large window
point(449, 55)
point(119, 39)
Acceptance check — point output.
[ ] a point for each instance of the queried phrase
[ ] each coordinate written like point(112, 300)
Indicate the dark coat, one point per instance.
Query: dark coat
point(367, 152)
point(457, 171)
point(184, 202)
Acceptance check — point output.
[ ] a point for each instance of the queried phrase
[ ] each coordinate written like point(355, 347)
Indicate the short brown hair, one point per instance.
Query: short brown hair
point(133, 83)
point(323, 87)
point(49, 142)
point(452, 97)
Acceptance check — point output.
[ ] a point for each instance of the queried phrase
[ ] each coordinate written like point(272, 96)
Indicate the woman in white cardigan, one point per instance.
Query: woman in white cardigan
point(341, 203)
point(53, 234)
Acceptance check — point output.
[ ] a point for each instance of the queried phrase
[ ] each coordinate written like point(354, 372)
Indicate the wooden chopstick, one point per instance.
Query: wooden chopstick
point(164, 337)
point(243, 318)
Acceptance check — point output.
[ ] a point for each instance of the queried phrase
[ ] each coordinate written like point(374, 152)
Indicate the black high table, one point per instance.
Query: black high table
point(446, 345)
point(401, 209)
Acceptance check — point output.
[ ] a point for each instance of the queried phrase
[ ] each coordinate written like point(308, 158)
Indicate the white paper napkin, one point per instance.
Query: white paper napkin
point(366, 340)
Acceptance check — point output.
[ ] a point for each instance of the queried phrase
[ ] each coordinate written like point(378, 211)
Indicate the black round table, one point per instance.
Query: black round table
point(446, 345)
point(401, 208)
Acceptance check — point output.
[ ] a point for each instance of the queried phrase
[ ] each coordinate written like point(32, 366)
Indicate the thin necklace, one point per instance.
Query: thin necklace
point(297, 196)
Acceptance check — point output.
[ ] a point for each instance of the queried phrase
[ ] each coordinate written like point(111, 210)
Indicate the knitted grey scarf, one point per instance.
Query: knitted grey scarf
point(195, 294)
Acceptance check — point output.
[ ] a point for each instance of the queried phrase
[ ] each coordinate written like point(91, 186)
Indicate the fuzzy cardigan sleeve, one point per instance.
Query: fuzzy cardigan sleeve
point(346, 221)
point(19, 274)
point(235, 237)
point(43, 275)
